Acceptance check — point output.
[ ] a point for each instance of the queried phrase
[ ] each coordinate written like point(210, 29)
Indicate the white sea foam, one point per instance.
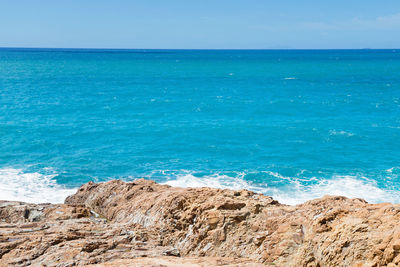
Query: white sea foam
point(290, 78)
point(215, 181)
point(18, 185)
point(296, 192)
point(34, 187)
point(334, 132)
point(393, 171)
point(348, 186)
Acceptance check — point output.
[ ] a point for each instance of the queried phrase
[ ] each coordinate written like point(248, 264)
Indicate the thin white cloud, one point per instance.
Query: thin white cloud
point(390, 22)
point(381, 22)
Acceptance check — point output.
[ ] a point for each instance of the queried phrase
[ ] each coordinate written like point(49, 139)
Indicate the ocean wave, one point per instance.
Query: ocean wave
point(394, 170)
point(221, 181)
point(334, 132)
point(34, 187)
point(295, 192)
point(348, 186)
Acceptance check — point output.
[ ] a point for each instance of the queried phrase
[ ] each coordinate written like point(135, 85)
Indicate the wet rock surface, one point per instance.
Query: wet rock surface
point(143, 223)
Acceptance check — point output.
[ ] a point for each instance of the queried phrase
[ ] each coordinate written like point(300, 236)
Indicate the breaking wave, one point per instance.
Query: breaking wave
point(35, 187)
point(17, 185)
point(295, 192)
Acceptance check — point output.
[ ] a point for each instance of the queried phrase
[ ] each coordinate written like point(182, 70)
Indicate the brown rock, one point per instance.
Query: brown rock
point(180, 262)
point(116, 223)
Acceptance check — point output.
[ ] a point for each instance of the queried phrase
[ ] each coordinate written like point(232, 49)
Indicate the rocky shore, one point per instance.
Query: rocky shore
point(143, 223)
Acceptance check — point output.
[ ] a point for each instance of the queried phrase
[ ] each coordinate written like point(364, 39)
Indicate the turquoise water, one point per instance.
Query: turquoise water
point(292, 124)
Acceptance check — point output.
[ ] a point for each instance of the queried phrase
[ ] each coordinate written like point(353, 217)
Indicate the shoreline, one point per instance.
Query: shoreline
point(38, 187)
point(132, 223)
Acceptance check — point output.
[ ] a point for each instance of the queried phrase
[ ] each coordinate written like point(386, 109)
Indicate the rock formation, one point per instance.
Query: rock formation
point(143, 223)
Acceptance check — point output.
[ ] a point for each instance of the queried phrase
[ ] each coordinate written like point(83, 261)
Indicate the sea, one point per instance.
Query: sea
point(291, 124)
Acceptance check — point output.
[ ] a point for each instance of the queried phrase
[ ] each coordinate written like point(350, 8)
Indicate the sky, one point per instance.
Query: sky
point(201, 24)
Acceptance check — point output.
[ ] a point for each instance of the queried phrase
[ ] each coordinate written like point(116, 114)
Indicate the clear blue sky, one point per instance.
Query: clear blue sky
point(190, 24)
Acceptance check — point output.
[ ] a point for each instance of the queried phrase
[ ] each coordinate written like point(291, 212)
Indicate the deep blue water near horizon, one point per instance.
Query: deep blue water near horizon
point(294, 124)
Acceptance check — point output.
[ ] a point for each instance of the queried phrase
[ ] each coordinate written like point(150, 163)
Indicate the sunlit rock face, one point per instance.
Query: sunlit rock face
point(144, 223)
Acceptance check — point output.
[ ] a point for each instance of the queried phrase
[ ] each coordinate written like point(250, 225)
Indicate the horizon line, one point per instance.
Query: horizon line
point(99, 48)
